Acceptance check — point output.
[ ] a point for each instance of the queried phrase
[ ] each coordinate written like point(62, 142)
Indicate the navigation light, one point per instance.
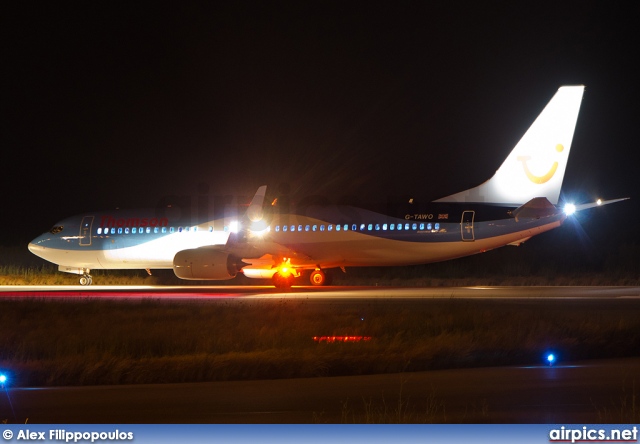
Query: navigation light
point(569, 209)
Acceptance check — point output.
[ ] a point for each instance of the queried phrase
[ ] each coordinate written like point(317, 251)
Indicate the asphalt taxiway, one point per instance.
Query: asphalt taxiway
point(582, 392)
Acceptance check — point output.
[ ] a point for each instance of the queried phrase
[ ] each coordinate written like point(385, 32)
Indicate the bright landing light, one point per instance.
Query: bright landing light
point(569, 209)
point(260, 233)
point(3, 379)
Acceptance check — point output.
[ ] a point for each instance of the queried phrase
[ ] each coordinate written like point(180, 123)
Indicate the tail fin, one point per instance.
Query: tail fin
point(536, 166)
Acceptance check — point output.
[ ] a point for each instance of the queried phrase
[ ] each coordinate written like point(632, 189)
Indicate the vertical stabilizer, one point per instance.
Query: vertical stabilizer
point(536, 166)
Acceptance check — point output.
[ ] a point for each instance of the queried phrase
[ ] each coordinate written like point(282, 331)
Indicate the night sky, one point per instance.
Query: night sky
point(110, 105)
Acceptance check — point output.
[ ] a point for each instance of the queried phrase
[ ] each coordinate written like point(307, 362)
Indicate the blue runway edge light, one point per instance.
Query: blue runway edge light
point(551, 358)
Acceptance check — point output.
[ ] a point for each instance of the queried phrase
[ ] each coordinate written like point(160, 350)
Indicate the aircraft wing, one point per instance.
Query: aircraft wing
point(257, 248)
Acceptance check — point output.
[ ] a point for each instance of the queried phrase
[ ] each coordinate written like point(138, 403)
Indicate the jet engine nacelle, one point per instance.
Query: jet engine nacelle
point(206, 264)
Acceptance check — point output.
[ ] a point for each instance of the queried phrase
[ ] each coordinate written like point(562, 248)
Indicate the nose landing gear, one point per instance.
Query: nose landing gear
point(86, 279)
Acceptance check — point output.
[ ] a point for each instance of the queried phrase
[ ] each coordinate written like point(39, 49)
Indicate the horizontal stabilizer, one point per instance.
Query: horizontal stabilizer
point(598, 203)
point(535, 209)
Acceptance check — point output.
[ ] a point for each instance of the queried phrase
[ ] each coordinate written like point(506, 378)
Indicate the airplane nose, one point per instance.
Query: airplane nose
point(36, 247)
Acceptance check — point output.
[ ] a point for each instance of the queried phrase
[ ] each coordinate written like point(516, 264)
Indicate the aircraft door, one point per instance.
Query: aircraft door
point(466, 226)
point(85, 230)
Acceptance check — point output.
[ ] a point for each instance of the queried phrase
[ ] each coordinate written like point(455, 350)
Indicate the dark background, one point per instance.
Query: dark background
point(108, 104)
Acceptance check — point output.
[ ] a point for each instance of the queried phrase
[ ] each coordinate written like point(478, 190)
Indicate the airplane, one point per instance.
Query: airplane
point(519, 201)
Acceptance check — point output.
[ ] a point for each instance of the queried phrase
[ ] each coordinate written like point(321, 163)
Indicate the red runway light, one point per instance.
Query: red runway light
point(341, 338)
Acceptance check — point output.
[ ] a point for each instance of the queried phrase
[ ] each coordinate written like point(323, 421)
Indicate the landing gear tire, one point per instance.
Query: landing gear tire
point(86, 280)
point(282, 281)
point(319, 277)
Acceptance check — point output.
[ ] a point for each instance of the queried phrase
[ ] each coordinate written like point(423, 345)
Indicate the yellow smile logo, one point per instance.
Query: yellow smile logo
point(545, 177)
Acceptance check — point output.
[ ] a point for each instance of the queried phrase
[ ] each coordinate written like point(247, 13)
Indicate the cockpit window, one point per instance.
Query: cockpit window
point(57, 229)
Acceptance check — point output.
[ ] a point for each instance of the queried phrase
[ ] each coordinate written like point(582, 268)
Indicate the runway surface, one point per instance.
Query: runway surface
point(216, 292)
point(580, 392)
point(583, 392)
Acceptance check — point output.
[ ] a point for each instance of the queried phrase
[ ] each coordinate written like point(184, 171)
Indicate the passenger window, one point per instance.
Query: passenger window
point(370, 227)
point(278, 228)
point(179, 229)
point(306, 228)
point(155, 230)
point(384, 227)
point(148, 230)
point(164, 229)
point(414, 226)
point(429, 227)
point(354, 227)
point(437, 226)
point(377, 227)
point(329, 228)
point(284, 228)
point(399, 227)
point(406, 226)
point(338, 227)
point(422, 226)
point(119, 230)
point(314, 228)
point(99, 231)
point(361, 227)
point(299, 227)
point(171, 230)
point(126, 230)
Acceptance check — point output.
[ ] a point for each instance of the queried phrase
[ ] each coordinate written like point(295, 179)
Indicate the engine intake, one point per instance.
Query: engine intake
point(206, 264)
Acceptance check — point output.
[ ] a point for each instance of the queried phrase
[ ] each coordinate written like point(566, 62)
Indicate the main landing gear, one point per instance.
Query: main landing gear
point(319, 277)
point(283, 278)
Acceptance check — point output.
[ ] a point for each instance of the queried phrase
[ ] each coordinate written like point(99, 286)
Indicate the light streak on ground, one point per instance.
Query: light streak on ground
point(319, 293)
